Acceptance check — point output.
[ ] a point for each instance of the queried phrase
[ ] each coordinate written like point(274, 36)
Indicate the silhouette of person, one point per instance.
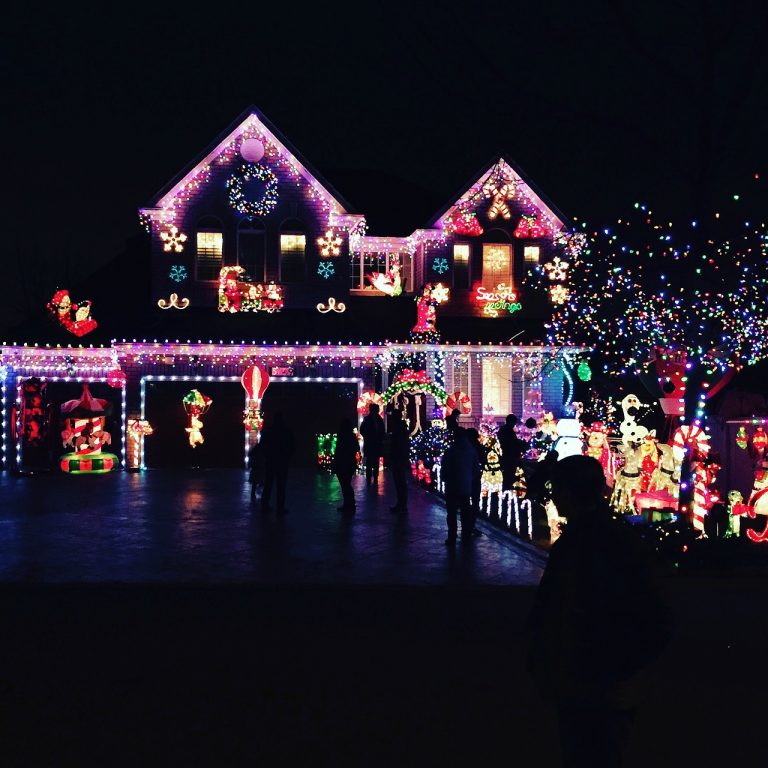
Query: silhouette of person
point(452, 421)
point(373, 432)
point(345, 464)
point(277, 446)
point(255, 468)
point(539, 486)
point(399, 460)
point(482, 455)
point(460, 470)
point(597, 620)
point(512, 450)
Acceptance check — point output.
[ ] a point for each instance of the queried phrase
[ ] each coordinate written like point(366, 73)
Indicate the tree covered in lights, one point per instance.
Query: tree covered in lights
point(647, 293)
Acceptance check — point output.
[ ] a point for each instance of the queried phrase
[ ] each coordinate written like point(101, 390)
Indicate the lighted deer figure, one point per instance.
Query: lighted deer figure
point(628, 479)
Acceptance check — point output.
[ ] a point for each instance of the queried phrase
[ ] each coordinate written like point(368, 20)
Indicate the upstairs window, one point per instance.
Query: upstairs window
point(210, 249)
point(460, 378)
point(382, 267)
point(531, 254)
point(251, 249)
point(293, 248)
point(461, 265)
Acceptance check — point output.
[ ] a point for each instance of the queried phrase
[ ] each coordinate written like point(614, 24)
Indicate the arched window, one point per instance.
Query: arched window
point(251, 249)
point(293, 246)
point(210, 249)
point(498, 258)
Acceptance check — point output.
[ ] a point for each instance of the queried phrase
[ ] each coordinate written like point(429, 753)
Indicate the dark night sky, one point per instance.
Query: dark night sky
point(601, 104)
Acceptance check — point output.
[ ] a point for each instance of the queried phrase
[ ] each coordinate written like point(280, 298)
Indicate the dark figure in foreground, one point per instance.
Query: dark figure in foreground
point(345, 464)
point(255, 468)
point(373, 432)
point(277, 446)
point(539, 488)
point(597, 621)
point(482, 456)
point(512, 450)
point(460, 470)
point(399, 460)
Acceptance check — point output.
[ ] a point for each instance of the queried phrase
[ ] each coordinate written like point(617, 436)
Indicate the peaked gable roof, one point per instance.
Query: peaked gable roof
point(499, 173)
point(249, 124)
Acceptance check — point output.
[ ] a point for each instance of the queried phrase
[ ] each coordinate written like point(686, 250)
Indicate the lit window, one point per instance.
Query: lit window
point(497, 387)
point(461, 265)
point(363, 264)
point(497, 264)
point(210, 246)
point(531, 254)
point(292, 248)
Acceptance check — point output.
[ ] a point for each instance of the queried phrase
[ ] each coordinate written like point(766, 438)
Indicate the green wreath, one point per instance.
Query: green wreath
point(236, 184)
point(430, 388)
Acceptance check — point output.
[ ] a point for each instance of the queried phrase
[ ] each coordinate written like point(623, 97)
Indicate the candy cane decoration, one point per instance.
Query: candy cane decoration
point(500, 195)
point(458, 400)
point(693, 437)
point(368, 398)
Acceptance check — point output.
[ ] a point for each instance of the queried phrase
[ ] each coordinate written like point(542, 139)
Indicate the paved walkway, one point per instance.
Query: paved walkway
point(199, 527)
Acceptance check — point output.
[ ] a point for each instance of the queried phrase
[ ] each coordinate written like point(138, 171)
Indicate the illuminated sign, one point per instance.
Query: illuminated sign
point(281, 371)
point(502, 299)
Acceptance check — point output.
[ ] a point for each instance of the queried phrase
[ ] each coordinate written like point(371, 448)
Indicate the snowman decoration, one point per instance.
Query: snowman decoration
point(631, 431)
point(569, 441)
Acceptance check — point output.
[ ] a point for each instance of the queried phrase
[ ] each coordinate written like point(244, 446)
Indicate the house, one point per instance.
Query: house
point(255, 259)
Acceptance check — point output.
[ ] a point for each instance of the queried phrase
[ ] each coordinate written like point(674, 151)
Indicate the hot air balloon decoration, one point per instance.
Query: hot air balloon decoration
point(255, 381)
point(195, 404)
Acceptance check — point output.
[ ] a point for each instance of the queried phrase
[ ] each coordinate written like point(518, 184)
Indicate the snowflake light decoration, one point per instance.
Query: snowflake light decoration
point(178, 273)
point(330, 243)
point(440, 265)
point(497, 258)
point(558, 294)
point(325, 269)
point(557, 269)
point(173, 240)
point(440, 293)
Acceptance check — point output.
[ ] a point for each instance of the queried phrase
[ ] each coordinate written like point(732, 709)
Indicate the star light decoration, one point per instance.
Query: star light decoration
point(330, 243)
point(701, 290)
point(173, 240)
point(557, 269)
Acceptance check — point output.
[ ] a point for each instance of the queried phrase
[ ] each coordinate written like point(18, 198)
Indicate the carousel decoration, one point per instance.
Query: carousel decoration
point(196, 405)
point(84, 433)
point(255, 381)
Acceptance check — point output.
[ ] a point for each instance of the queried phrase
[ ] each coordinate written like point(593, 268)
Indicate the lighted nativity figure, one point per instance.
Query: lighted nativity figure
point(84, 433)
point(75, 318)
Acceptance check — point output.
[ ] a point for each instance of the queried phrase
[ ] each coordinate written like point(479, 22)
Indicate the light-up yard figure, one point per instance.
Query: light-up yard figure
point(195, 404)
point(425, 330)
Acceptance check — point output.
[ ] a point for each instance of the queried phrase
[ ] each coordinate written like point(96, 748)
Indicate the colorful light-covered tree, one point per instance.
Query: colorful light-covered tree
point(648, 291)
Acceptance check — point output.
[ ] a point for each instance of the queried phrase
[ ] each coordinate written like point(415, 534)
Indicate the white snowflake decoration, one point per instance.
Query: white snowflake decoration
point(178, 273)
point(440, 265)
point(325, 269)
point(330, 244)
point(557, 269)
point(558, 294)
point(440, 293)
point(173, 240)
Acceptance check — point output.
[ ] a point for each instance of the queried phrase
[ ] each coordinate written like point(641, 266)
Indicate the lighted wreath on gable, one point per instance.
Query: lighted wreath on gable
point(251, 170)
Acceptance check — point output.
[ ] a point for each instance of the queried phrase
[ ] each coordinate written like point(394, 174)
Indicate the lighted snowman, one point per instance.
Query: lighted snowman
point(631, 431)
point(569, 441)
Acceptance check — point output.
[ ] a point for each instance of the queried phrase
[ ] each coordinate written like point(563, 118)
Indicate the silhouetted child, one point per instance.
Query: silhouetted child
point(482, 455)
point(512, 450)
point(597, 620)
